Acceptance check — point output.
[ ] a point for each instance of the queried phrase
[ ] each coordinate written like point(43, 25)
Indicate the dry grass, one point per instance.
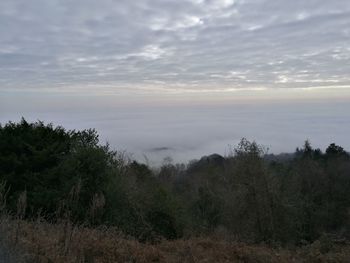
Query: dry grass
point(41, 242)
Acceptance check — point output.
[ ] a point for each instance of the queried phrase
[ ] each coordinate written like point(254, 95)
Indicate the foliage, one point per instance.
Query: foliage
point(66, 174)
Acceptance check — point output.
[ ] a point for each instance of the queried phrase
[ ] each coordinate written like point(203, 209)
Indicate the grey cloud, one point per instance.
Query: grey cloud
point(169, 43)
point(60, 60)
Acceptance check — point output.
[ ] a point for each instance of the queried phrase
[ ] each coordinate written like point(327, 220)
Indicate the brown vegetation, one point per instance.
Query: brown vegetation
point(63, 242)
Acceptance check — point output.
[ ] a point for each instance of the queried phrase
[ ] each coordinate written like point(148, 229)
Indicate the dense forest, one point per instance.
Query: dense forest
point(250, 195)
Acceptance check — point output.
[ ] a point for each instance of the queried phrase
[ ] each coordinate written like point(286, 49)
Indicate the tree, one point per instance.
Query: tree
point(49, 163)
point(252, 188)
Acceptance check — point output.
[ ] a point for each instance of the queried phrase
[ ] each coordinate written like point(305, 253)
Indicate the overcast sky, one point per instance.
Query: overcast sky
point(125, 46)
point(54, 52)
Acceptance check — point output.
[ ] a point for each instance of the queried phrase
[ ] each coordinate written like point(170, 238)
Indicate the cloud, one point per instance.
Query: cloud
point(78, 63)
point(188, 43)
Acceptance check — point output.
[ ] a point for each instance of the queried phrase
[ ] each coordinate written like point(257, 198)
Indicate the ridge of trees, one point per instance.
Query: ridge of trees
point(55, 173)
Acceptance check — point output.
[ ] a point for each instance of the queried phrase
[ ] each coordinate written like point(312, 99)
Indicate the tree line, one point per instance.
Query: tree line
point(49, 172)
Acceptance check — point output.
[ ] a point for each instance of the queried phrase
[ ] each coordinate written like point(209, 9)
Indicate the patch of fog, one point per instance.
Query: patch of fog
point(189, 132)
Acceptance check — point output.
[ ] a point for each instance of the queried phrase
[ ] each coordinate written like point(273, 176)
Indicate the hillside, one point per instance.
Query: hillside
point(64, 197)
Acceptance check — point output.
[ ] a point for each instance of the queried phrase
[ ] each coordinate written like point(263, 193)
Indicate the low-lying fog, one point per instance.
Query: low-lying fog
point(184, 132)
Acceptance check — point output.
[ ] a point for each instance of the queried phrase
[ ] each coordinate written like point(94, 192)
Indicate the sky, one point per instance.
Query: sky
point(180, 77)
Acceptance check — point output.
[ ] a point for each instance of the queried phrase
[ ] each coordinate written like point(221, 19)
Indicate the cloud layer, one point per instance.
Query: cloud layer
point(173, 46)
point(191, 131)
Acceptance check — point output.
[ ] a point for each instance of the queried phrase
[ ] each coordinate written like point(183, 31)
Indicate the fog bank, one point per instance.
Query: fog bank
point(186, 131)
